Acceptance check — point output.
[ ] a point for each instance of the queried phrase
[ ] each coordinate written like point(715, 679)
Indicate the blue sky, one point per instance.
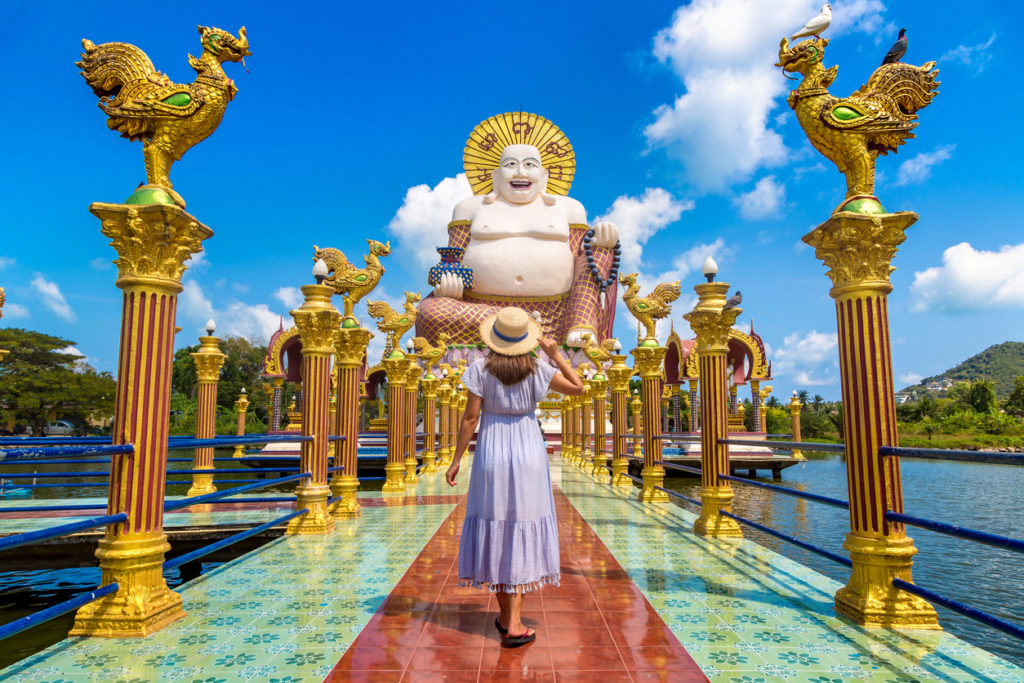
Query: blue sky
point(352, 120)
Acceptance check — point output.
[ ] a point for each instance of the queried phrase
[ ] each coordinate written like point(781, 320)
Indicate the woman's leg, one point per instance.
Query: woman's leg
point(503, 604)
point(515, 626)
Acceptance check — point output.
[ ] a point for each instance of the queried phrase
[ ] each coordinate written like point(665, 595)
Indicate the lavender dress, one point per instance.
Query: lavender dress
point(510, 536)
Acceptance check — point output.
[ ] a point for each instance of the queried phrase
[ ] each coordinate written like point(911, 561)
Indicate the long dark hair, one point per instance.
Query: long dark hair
point(510, 370)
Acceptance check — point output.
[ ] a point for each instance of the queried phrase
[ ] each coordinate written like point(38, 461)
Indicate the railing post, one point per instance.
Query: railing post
point(577, 423)
point(349, 351)
point(858, 249)
point(599, 391)
point(563, 411)
point(152, 243)
point(241, 408)
point(649, 358)
point(444, 397)
point(638, 425)
point(619, 374)
point(317, 321)
point(711, 322)
point(412, 385)
point(395, 367)
point(275, 415)
point(208, 361)
point(795, 408)
point(429, 384)
point(755, 404)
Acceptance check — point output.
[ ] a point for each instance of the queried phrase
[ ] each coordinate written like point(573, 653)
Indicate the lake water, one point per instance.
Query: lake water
point(979, 496)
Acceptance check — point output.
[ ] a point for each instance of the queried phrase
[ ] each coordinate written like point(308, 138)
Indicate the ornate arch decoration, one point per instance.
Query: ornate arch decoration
point(742, 346)
point(284, 355)
point(375, 376)
point(673, 358)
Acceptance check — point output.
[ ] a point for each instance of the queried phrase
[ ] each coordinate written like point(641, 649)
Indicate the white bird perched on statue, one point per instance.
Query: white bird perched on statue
point(734, 301)
point(816, 26)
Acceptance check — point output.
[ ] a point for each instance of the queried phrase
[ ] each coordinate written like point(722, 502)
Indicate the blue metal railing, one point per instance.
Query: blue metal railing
point(784, 445)
point(19, 625)
point(992, 457)
point(217, 495)
point(15, 540)
point(67, 451)
point(966, 610)
point(791, 539)
point(230, 540)
point(1004, 542)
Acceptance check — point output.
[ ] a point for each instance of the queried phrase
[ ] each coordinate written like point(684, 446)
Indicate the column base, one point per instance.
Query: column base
point(143, 603)
point(239, 452)
point(345, 486)
point(394, 478)
point(597, 469)
point(711, 523)
point(870, 599)
point(201, 484)
point(429, 462)
point(410, 471)
point(798, 454)
point(620, 466)
point(653, 476)
point(317, 520)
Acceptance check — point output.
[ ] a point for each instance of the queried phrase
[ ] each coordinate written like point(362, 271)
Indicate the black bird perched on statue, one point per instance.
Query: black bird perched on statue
point(734, 301)
point(898, 49)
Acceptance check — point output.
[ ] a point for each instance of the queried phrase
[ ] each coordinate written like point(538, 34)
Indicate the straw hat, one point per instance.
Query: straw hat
point(510, 332)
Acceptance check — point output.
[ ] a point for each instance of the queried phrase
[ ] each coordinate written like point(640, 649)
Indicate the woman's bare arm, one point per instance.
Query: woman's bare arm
point(565, 381)
point(466, 430)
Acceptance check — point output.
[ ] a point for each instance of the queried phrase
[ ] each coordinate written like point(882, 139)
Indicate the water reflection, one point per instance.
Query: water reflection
point(975, 495)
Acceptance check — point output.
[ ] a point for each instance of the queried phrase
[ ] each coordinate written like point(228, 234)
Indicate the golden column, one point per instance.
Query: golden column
point(648, 359)
point(317, 321)
point(586, 423)
point(208, 361)
point(636, 406)
point(241, 407)
point(152, 242)
point(578, 428)
point(858, 249)
point(444, 397)
point(430, 388)
point(563, 413)
point(618, 375)
point(395, 368)
point(599, 391)
point(412, 386)
point(349, 351)
point(568, 443)
point(711, 322)
point(795, 408)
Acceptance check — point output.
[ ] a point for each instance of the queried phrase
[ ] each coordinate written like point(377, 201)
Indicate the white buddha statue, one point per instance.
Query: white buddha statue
point(525, 247)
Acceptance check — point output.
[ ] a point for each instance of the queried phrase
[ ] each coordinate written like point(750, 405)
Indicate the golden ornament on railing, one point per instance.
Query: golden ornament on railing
point(649, 309)
point(350, 282)
point(393, 323)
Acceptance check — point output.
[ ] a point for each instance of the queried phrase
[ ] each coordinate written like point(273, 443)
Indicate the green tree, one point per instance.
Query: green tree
point(40, 379)
point(242, 369)
point(1015, 403)
point(817, 402)
point(803, 396)
point(981, 396)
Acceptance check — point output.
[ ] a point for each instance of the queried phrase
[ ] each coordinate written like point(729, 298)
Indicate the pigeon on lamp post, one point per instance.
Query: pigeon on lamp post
point(734, 301)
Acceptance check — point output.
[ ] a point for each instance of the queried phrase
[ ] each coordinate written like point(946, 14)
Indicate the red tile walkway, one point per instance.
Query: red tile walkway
point(429, 629)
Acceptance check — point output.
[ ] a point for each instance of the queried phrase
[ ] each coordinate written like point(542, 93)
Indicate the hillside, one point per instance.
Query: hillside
point(1001, 363)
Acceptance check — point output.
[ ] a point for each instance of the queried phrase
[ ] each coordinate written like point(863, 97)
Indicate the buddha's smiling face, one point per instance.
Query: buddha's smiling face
point(520, 178)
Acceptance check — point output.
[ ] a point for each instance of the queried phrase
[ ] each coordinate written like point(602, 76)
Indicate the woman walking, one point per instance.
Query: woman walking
point(510, 534)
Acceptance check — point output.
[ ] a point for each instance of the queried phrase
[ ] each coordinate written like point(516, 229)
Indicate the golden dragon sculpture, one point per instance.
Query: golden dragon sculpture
point(393, 323)
point(651, 308)
point(143, 104)
point(853, 131)
point(350, 282)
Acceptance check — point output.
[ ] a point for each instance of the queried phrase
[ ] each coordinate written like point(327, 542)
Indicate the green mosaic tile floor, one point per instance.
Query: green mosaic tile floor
point(281, 614)
point(749, 615)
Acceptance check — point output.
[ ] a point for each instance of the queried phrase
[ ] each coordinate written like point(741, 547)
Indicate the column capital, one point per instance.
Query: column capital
point(858, 249)
point(430, 386)
point(350, 345)
point(395, 369)
point(317, 320)
point(710, 320)
point(598, 387)
point(619, 374)
point(413, 372)
point(795, 406)
point(153, 241)
point(208, 359)
point(649, 360)
point(242, 403)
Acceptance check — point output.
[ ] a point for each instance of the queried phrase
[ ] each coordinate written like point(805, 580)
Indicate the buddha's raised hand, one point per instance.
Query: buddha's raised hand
point(449, 285)
point(606, 234)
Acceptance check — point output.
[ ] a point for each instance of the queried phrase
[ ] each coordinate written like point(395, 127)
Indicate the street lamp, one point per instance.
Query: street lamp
point(320, 271)
point(211, 327)
point(710, 269)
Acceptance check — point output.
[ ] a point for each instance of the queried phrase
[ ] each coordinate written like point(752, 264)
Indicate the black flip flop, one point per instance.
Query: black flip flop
point(518, 641)
point(501, 629)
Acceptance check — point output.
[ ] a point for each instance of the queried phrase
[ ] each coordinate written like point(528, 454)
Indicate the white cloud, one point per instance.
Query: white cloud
point(197, 262)
point(724, 52)
point(15, 311)
point(52, 298)
point(420, 224)
point(809, 359)
point(639, 218)
point(918, 169)
point(690, 261)
point(971, 280)
point(237, 318)
point(83, 361)
point(6, 261)
point(764, 201)
point(291, 297)
point(101, 263)
point(910, 378)
point(973, 56)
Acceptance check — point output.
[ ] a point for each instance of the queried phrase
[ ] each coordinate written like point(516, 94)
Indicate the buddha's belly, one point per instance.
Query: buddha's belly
point(519, 266)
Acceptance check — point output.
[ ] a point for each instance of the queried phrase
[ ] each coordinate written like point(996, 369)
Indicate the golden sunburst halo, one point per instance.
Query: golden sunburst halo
point(485, 144)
